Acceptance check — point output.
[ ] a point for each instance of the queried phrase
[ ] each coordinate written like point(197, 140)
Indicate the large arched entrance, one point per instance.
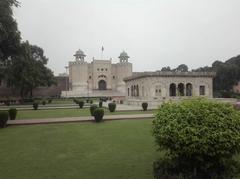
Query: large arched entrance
point(102, 85)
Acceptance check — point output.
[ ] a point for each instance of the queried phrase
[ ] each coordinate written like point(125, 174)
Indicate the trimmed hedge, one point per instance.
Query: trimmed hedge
point(98, 114)
point(12, 113)
point(43, 102)
point(3, 119)
point(81, 104)
point(92, 109)
point(144, 106)
point(112, 107)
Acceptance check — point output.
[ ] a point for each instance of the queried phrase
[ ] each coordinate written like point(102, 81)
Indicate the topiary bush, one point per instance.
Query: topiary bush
point(100, 104)
point(81, 104)
point(3, 119)
point(12, 113)
point(35, 105)
point(144, 106)
point(92, 109)
point(49, 101)
point(44, 102)
point(112, 107)
point(98, 114)
point(91, 101)
point(75, 100)
point(199, 138)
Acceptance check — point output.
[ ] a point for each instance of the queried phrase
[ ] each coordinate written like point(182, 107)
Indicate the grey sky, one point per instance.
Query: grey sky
point(155, 33)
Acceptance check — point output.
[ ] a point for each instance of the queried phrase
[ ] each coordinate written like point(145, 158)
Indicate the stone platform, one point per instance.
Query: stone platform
point(92, 93)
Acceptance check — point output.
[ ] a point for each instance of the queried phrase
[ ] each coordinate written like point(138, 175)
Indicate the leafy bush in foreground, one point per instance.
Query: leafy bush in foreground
point(3, 119)
point(92, 109)
point(112, 107)
point(98, 114)
point(12, 113)
point(199, 138)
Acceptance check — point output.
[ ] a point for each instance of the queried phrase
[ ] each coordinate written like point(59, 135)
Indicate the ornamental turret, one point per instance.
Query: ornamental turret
point(123, 57)
point(79, 55)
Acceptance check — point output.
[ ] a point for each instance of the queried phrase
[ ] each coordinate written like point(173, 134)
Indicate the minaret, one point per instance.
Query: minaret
point(78, 74)
point(79, 55)
point(124, 69)
point(123, 57)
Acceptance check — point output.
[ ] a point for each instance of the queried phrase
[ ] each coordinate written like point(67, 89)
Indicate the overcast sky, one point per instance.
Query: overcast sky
point(155, 33)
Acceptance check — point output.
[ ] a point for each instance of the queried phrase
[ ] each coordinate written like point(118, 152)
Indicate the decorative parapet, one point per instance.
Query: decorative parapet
point(77, 62)
point(169, 74)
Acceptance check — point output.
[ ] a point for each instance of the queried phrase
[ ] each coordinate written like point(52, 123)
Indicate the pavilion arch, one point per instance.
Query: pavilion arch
point(172, 89)
point(137, 90)
point(131, 90)
point(189, 89)
point(180, 89)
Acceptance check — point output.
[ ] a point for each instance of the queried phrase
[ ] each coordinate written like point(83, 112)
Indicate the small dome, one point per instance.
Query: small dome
point(123, 54)
point(79, 53)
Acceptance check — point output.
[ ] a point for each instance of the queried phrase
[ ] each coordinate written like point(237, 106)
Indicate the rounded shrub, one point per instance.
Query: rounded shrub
point(98, 114)
point(112, 107)
point(35, 105)
point(12, 113)
point(75, 100)
point(144, 106)
point(3, 119)
point(199, 138)
point(100, 104)
point(92, 109)
point(43, 102)
point(81, 104)
point(49, 101)
point(91, 101)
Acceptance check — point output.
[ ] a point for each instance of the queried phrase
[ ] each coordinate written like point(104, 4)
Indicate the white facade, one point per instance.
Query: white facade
point(98, 78)
point(160, 86)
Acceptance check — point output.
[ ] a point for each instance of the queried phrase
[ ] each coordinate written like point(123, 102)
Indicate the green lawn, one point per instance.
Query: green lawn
point(116, 149)
point(57, 113)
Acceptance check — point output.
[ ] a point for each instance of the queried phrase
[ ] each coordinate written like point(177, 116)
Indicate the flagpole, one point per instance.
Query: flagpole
point(102, 53)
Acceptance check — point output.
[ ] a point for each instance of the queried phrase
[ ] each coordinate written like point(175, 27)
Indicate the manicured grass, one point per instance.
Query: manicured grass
point(116, 149)
point(57, 113)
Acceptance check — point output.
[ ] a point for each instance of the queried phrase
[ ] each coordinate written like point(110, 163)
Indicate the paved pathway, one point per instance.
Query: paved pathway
point(79, 119)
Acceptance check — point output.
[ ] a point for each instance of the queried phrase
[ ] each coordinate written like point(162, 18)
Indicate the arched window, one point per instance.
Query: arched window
point(202, 90)
point(180, 89)
point(128, 91)
point(172, 89)
point(189, 89)
point(158, 91)
point(131, 90)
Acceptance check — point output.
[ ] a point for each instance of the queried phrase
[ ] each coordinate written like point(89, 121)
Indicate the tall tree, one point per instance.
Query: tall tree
point(166, 68)
point(28, 70)
point(182, 68)
point(9, 34)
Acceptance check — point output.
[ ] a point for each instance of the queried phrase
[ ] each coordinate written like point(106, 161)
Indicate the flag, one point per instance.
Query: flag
point(102, 48)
